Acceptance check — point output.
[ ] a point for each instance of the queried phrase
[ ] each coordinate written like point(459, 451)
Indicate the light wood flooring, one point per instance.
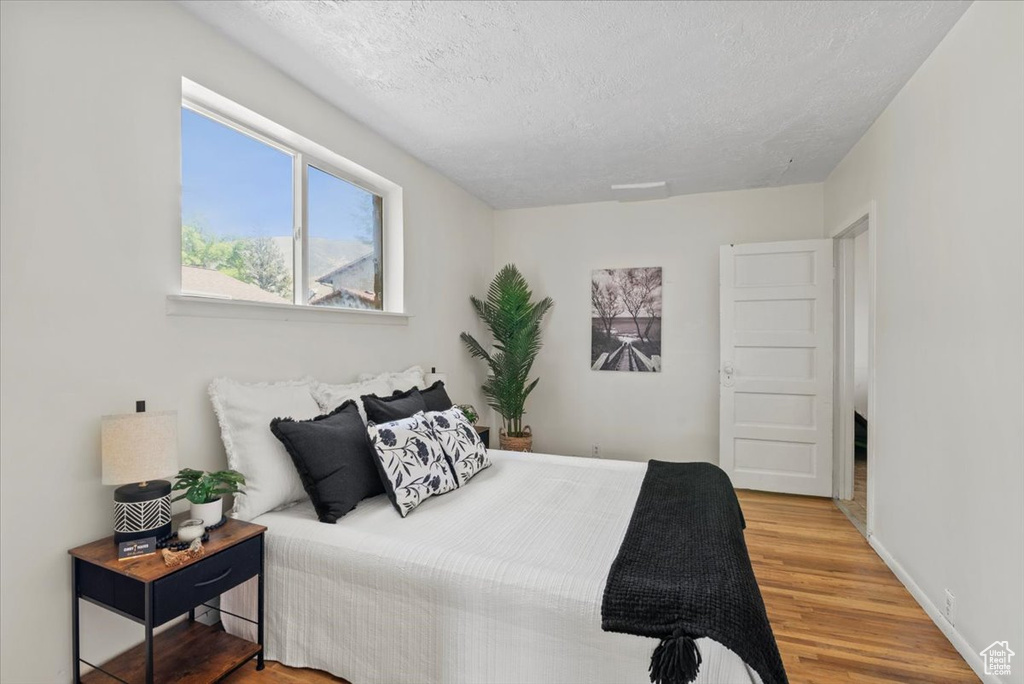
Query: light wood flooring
point(838, 613)
point(858, 505)
point(281, 674)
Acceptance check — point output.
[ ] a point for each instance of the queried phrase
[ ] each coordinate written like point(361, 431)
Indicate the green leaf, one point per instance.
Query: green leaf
point(203, 487)
point(514, 322)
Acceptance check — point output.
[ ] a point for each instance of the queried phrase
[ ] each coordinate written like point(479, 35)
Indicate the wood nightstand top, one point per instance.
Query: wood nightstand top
point(103, 552)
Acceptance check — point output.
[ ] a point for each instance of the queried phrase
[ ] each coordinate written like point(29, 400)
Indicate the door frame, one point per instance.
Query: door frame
point(843, 433)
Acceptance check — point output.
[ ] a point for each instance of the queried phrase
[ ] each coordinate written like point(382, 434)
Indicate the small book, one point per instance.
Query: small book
point(136, 548)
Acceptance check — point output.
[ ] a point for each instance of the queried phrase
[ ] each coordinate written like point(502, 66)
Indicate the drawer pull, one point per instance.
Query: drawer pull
point(214, 580)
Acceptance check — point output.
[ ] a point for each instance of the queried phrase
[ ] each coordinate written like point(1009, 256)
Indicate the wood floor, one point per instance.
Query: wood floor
point(858, 505)
point(281, 674)
point(838, 613)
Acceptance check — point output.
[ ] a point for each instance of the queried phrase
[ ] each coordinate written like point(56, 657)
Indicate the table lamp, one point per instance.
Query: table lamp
point(138, 448)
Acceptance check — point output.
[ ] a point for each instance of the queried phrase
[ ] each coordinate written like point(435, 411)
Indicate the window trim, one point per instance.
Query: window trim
point(304, 153)
point(201, 306)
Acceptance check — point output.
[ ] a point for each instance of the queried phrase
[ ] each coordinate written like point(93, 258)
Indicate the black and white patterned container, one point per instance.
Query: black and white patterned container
point(142, 510)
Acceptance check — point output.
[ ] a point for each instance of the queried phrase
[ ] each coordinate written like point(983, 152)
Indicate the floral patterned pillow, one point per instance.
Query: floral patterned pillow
point(461, 443)
point(411, 462)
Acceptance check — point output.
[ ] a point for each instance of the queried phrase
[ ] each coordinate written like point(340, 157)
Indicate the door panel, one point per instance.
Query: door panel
point(776, 366)
point(784, 410)
point(775, 315)
point(761, 456)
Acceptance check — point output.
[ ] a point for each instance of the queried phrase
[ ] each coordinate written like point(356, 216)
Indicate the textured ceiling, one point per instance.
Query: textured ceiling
point(538, 103)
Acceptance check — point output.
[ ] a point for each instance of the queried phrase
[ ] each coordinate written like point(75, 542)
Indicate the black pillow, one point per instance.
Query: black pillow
point(334, 458)
point(436, 398)
point(399, 405)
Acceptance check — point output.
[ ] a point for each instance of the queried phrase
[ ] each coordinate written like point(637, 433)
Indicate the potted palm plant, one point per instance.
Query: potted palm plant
point(204, 491)
point(513, 320)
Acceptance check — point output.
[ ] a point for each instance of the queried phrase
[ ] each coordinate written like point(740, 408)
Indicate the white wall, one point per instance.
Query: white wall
point(861, 311)
point(945, 165)
point(89, 231)
point(671, 415)
point(90, 240)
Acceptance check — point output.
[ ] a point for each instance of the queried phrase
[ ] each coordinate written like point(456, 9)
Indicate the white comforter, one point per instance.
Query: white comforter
point(497, 582)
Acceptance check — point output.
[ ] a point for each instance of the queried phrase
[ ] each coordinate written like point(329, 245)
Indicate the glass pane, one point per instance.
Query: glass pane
point(236, 214)
point(344, 243)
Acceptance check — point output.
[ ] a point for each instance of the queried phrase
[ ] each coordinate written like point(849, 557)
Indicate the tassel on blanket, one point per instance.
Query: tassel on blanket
point(676, 660)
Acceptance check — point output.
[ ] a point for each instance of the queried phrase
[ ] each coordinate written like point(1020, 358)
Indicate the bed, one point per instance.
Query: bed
point(498, 582)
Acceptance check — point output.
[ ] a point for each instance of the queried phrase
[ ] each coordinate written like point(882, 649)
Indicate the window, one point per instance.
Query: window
point(344, 245)
point(267, 216)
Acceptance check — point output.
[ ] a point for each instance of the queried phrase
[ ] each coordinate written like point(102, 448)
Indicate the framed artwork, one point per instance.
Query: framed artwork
point(625, 309)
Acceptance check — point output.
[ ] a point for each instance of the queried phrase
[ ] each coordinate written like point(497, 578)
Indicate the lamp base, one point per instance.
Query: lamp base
point(142, 510)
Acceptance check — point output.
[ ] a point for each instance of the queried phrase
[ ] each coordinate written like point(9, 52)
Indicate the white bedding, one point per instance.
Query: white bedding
point(497, 582)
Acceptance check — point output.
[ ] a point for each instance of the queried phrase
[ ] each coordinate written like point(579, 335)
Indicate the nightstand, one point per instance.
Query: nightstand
point(485, 434)
point(146, 591)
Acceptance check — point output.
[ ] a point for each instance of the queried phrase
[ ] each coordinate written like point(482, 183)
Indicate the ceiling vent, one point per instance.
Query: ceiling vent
point(639, 192)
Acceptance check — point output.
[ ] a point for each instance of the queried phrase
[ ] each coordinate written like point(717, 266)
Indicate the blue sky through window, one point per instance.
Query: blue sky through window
point(338, 209)
point(236, 186)
point(232, 185)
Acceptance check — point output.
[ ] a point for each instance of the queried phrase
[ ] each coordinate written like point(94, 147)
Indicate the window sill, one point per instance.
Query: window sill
point(213, 307)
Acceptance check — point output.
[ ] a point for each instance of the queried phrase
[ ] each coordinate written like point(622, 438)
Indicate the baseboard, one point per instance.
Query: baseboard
point(969, 653)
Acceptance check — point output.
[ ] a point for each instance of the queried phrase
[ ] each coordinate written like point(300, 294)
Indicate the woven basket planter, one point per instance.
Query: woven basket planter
point(524, 443)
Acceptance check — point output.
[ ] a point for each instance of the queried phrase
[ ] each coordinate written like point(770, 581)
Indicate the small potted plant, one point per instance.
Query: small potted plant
point(204, 491)
point(467, 410)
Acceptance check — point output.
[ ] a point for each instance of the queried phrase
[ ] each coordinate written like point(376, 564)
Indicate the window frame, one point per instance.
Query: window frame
point(306, 161)
point(304, 153)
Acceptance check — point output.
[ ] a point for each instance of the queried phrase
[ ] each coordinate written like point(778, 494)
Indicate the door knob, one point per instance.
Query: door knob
point(727, 373)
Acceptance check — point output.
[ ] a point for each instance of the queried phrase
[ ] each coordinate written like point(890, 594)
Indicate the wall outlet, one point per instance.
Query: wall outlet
point(950, 608)
point(595, 451)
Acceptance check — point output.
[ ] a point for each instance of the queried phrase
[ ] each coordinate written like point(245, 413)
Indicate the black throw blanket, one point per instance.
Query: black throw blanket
point(683, 573)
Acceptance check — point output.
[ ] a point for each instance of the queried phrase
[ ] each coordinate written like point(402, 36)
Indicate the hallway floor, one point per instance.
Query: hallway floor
point(858, 505)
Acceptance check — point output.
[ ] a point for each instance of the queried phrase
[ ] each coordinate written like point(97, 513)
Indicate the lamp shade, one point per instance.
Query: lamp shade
point(138, 447)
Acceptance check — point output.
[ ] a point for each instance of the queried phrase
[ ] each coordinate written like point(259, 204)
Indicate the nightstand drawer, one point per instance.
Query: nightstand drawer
point(204, 579)
point(107, 588)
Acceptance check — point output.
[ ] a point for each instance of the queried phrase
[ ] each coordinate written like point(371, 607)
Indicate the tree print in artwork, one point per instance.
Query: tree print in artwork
point(625, 308)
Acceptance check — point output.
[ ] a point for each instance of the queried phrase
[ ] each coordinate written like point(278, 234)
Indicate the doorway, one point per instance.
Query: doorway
point(854, 410)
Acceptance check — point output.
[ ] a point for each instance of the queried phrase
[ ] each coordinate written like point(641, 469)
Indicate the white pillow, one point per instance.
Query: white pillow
point(244, 412)
point(413, 464)
point(401, 381)
point(330, 397)
point(460, 441)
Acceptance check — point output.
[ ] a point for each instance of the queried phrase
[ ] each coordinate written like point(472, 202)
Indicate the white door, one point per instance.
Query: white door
point(776, 366)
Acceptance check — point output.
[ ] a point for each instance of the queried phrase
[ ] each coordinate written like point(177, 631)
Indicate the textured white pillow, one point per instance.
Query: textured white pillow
point(401, 381)
point(460, 441)
point(331, 397)
point(413, 466)
point(244, 412)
